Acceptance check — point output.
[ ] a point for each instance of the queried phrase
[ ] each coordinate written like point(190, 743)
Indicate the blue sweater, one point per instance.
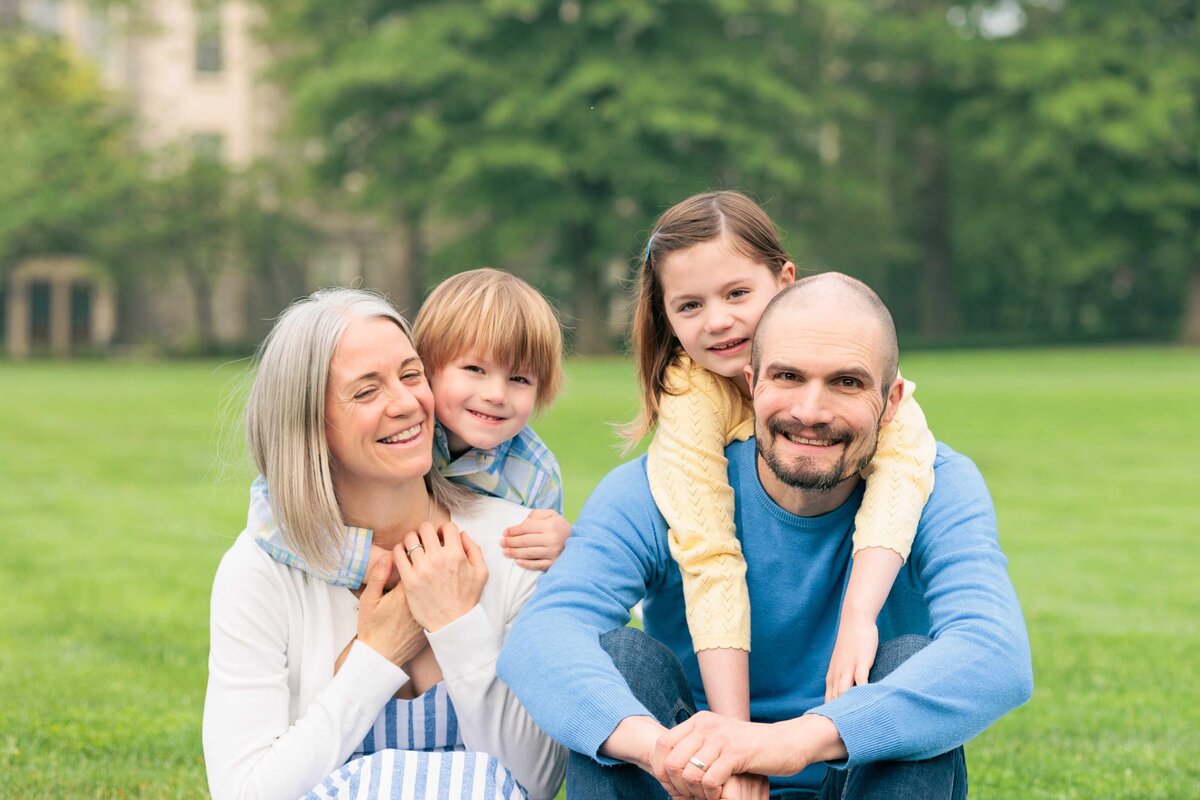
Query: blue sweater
point(954, 588)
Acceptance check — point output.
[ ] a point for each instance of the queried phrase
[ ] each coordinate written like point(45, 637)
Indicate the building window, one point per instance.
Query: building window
point(210, 49)
point(44, 15)
point(208, 146)
point(39, 312)
point(96, 34)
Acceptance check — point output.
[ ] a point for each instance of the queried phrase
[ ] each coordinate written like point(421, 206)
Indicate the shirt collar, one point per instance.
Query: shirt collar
point(473, 461)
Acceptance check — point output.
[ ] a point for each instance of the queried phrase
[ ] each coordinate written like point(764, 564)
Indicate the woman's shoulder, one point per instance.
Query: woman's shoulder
point(245, 565)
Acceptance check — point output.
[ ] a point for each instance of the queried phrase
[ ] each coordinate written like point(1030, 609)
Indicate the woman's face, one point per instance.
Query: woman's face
point(378, 407)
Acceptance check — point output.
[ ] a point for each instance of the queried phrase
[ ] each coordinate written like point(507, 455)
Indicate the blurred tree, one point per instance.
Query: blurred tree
point(543, 135)
point(1081, 197)
point(273, 234)
point(68, 157)
point(189, 217)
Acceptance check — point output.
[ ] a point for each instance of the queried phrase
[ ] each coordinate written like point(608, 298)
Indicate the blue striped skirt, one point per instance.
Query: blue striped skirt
point(414, 751)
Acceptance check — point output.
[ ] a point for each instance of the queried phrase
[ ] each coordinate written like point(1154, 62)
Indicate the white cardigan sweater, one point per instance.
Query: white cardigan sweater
point(277, 719)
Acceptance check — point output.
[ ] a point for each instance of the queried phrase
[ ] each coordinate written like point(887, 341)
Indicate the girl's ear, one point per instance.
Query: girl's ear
point(787, 274)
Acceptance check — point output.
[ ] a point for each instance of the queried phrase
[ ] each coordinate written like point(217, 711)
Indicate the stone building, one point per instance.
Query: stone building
point(191, 73)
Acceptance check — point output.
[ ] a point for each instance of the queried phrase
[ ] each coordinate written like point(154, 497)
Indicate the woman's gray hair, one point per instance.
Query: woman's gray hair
point(285, 419)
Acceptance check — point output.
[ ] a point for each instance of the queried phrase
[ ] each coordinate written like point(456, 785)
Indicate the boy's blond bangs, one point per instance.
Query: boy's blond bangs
point(495, 314)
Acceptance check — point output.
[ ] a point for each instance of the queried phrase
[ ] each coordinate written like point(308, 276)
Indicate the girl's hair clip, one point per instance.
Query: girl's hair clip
point(649, 244)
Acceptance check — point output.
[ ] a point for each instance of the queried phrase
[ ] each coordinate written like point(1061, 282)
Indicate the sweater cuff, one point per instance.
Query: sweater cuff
point(467, 645)
point(867, 729)
point(595, 721)
point(367, 679)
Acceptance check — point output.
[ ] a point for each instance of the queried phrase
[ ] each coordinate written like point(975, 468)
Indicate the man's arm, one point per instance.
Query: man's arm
point(552, 659)
point(978, 666)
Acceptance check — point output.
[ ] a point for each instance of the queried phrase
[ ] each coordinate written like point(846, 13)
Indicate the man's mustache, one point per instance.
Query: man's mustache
point(827, 432)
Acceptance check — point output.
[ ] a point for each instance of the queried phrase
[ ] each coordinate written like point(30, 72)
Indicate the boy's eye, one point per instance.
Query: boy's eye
point(521, 379)
point(474, 368)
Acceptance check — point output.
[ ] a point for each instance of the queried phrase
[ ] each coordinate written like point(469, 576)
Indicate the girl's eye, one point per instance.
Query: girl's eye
point(736, 293)
point(686, 307)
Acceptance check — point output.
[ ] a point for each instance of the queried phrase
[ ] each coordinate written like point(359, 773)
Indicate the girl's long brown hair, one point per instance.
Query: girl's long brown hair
point(700, 218)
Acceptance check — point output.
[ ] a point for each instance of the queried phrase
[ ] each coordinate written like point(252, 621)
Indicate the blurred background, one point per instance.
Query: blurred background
point(1016, 177)
point(175, 171)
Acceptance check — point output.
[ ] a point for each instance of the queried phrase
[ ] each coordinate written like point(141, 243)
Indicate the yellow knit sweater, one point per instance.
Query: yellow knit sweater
point(699, 415)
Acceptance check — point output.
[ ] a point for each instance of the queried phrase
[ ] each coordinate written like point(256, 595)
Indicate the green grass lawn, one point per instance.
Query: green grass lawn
point(121, 485)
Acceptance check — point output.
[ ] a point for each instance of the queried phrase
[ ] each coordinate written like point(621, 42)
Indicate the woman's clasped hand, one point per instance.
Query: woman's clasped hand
point(443, 571)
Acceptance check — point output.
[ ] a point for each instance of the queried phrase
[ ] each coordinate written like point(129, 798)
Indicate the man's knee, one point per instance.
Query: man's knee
point(895, 652)
point(653, 673)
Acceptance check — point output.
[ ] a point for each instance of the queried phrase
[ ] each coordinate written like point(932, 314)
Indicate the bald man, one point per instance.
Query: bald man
point(955, 658)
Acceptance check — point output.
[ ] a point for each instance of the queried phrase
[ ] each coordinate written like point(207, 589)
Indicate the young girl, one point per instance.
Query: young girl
point(711, 265)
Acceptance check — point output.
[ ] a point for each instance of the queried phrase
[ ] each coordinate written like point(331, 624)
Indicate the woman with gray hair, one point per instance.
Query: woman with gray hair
point(389, 690)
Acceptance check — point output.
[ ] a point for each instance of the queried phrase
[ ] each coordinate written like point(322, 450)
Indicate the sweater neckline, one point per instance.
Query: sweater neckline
point(747, 454)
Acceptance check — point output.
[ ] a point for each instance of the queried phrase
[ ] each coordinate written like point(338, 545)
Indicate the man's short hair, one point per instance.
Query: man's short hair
point(834, 288)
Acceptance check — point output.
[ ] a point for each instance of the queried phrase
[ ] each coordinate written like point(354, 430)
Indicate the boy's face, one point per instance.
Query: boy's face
point(480, 402)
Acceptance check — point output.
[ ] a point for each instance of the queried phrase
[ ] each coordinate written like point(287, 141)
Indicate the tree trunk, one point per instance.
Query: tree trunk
point(1191, 308)
point(416, 262)
point(940, 316)
point(133, 310)
point(201, 284)
point(591, 309)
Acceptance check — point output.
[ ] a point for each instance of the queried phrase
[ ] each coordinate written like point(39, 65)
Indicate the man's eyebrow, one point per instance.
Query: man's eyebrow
point(862, 374)
point(782, 366)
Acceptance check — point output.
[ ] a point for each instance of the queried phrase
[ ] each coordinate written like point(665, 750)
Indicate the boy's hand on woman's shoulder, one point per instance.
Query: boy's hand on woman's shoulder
point(538, 541)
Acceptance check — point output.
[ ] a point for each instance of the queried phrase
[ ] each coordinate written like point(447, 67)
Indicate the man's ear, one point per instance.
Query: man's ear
point(894, 396)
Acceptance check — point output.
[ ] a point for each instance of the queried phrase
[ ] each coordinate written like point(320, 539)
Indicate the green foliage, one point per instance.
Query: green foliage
point(1080, 191)
point(1042, 181)
point(67, 161)
point(544, 136)
point(118, 509)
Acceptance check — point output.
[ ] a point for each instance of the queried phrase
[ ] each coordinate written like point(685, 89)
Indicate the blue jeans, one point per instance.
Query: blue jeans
point(656, 679)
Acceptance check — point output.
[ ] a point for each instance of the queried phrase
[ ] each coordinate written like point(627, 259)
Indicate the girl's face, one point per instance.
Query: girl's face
point(713, 297)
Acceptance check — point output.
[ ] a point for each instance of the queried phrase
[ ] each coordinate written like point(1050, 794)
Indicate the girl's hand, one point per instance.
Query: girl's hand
point(442, 572)
point(385, 623)
point(853, 654)
point(538, 541)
